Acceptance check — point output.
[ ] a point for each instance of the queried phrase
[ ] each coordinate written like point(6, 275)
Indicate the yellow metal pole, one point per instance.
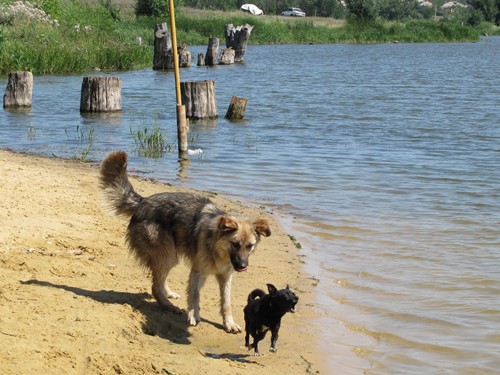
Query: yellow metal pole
point(182, 123)
point(174, 51)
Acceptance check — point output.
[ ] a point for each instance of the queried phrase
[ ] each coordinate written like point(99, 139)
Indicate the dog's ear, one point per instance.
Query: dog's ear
point(227, 224)
point(271, 288)
point(287, 287)
point(261, 226)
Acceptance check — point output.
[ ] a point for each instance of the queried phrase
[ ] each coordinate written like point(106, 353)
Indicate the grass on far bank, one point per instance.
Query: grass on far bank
point(76, 36)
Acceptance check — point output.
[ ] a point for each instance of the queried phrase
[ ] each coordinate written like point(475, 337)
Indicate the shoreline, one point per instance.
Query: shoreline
point(75, 301)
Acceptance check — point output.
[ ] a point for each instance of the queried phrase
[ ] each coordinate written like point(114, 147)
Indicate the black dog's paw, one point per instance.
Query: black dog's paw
point(273, 350)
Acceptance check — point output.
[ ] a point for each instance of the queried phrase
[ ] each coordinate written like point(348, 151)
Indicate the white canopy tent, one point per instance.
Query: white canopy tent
point(253, 9)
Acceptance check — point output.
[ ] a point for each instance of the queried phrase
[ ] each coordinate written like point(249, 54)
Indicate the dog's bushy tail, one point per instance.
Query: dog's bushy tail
point(256, 293)
point(119, 193)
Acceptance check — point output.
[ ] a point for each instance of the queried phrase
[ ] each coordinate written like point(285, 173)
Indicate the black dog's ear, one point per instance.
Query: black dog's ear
point(272, 289)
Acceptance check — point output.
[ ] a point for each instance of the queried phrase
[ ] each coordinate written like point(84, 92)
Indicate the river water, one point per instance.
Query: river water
point(383, 161)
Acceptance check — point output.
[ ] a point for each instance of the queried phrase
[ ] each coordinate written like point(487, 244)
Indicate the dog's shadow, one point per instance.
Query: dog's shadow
point(167, 325)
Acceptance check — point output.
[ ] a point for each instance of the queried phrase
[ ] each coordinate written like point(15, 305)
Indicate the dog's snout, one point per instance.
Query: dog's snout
point(239, 264)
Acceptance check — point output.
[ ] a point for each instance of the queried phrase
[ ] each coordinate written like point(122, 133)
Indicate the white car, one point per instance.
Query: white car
point(293, 12)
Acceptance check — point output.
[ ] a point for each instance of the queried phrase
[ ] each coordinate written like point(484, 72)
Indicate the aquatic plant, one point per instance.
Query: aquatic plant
point(82, 135)
point(31, 132)
point(150, 143)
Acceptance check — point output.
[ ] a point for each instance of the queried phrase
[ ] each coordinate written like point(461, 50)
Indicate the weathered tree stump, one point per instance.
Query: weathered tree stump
point(199, 99)
point(162, 48)
point(184, 57)
point(237, 39)
point(101, 94)
point(226, 56)
point(201, 59)
point(237, 108)
point(19, 91)
point(212, 55)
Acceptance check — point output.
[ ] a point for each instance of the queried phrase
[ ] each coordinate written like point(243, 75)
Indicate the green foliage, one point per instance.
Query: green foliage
point(408, 32)
point(473, 17)
point(150, 143)
point(113, 10)
point(75, 42)
point(361, 9)
point(71, 36)
point(53, 8)
point(490, 9)
point(400, 9)
point(85, 137)
point(156, 8)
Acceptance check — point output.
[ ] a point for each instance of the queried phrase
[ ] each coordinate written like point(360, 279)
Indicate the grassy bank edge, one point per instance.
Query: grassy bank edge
point(82, 37)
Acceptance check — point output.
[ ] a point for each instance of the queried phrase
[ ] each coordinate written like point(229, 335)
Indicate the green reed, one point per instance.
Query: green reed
point(31, 132)
point(81, 135)
point(150, 143)
point(85, 138)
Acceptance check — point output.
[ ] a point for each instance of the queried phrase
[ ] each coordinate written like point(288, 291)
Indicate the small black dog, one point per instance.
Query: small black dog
point(264, 312)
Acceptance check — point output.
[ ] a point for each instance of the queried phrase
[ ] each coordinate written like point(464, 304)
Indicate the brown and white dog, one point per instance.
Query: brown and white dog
point(167, 227)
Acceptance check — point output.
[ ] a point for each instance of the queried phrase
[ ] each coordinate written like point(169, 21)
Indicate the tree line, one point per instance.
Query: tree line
point(474, 13)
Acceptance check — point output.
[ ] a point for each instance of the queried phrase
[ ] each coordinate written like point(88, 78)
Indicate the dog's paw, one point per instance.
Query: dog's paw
point(257, 354)
point(173, 295)
point(232, 327)
point(273, 350)
point(193, 320)
point(229, 325)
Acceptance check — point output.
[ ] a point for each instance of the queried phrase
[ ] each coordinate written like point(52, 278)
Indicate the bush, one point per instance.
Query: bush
point(155, 8)
point(361, 9)
point(473, 18)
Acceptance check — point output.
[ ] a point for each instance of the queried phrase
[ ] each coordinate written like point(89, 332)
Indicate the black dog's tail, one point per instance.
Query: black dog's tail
point(120, 194)
point(254, 294)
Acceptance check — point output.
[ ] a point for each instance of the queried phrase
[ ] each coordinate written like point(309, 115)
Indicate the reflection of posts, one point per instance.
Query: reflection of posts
point(101, 94)
point(19, 90)
point(199, 99)
point(183, 166)
point(182, 130)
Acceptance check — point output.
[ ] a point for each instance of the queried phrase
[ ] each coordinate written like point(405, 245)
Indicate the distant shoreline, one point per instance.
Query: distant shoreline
point(71, 47)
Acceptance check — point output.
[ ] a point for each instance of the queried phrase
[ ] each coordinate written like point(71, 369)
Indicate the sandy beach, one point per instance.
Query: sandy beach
point(74, 301)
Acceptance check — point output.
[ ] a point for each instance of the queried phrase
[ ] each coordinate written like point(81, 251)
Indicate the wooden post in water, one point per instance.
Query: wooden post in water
point(199, 99)
point(184, 57)
point(101, 94)
point(226, 56)
point(19, 91)
point(237, 39)
point(201, 59)
point(162, 58)
point(237, 108)
point(212, 55)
